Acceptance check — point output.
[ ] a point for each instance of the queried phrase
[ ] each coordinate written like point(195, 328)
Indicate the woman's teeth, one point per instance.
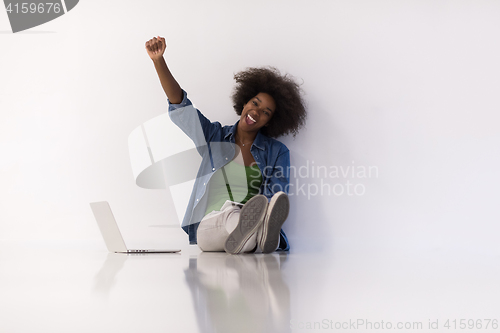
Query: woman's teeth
point(251, 119)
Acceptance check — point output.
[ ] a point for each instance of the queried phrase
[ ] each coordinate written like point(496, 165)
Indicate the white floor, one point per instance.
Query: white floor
point(63, 287)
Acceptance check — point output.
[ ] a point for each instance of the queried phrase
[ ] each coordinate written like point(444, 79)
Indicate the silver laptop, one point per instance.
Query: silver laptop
point(111, 233)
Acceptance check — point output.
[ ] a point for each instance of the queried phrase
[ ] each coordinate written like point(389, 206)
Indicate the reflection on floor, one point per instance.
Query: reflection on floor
point(239, 293)
point(63, 287)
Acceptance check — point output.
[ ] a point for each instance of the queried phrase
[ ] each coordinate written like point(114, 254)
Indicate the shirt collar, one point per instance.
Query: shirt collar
point(259, 142)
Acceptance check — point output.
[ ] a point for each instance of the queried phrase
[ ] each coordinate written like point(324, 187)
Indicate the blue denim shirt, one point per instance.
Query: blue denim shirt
point(216, 145)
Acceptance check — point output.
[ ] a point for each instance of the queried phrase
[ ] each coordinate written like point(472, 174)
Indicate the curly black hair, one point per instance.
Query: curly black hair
point(290, 114)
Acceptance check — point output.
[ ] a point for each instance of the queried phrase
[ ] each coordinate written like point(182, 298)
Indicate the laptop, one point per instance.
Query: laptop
point(111, 233)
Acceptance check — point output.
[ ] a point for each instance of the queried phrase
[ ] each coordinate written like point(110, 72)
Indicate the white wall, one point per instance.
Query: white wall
point(408, 87)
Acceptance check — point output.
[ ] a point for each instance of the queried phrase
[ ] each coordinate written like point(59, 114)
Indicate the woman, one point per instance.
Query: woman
point(242, 163)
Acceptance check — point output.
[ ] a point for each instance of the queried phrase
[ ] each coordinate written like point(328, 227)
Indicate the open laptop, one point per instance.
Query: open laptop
point(111, 233)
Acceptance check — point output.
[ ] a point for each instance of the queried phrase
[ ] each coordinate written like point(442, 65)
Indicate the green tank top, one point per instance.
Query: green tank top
point(243, 182)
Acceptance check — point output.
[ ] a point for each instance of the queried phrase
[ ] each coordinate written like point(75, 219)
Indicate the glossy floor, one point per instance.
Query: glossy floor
point(62, 287)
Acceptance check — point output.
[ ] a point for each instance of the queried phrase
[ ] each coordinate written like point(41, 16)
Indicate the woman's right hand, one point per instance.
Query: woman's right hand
point(156, 47)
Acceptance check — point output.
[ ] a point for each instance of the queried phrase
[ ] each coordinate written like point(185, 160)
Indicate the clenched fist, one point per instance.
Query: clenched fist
point(156, 47)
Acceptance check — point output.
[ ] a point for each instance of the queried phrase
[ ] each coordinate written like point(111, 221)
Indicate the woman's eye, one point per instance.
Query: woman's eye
point(254, 103)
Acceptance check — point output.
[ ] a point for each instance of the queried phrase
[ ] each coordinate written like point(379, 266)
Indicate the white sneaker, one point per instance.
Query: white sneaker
point(277, 212)
point(251, 217)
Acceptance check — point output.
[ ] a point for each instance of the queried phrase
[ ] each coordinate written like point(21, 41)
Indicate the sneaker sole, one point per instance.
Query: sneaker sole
point(251, 217)
point(272, 226)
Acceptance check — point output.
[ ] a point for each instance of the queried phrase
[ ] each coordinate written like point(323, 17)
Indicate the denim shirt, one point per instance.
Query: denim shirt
point(216, 145)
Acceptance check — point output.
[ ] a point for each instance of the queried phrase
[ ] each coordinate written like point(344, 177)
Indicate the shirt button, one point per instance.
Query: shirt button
point(197, 199)
point(204, 184)
point(226, 158)
point(213, 169)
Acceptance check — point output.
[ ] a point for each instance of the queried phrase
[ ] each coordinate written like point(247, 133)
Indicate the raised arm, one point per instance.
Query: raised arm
point(155, 48)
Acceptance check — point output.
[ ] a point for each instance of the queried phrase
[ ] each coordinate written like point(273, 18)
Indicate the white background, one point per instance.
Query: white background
point(410, 87)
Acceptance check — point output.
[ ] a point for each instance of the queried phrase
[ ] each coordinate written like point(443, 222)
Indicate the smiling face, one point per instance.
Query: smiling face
point(257, 112)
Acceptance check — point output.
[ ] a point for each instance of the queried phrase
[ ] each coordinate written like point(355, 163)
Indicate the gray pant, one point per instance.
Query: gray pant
point(216, 226)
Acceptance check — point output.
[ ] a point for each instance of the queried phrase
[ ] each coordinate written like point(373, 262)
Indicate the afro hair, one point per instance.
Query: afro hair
point(290, 114)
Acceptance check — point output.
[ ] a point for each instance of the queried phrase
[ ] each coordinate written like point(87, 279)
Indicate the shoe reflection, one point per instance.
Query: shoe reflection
point(239, 293)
